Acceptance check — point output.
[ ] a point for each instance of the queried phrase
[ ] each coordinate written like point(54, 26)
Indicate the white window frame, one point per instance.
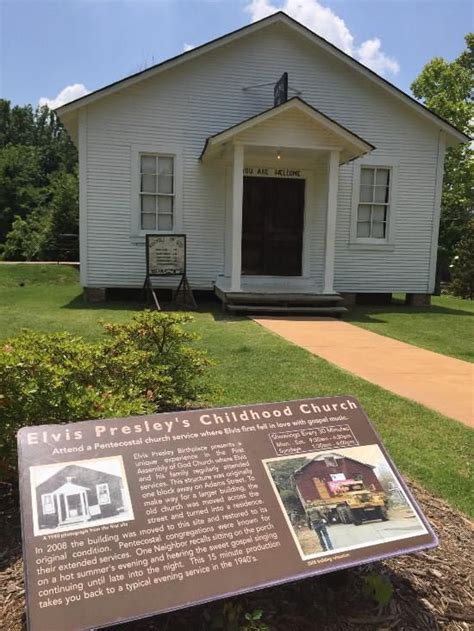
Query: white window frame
point(372, 243)
point(43, 498)
point(97, 487)
point(169, 151)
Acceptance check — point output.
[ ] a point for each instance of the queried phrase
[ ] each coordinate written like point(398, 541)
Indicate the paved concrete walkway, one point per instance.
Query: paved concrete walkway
point(442, 383)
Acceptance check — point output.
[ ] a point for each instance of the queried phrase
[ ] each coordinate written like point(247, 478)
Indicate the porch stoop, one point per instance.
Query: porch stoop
point(283, 302)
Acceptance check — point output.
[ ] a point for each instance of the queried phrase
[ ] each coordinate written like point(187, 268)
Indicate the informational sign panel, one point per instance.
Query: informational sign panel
point(166, 254)
point(125, 518)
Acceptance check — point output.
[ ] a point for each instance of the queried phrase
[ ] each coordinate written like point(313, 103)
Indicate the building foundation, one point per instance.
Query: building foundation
point(95, 294)
point(418, 300)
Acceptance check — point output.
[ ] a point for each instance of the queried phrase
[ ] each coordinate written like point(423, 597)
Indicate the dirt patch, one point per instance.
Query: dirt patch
point(308, 540)
point(432, 590)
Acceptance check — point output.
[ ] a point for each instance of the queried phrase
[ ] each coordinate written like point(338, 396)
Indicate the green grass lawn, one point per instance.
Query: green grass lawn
point(446, 327)
point(253, 365)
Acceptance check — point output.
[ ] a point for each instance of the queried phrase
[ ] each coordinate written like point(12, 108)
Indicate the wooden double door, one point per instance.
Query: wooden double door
point(272, 226)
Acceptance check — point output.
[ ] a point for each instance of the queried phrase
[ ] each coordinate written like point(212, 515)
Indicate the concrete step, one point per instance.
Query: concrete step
point(292, 309)
point(277, 298)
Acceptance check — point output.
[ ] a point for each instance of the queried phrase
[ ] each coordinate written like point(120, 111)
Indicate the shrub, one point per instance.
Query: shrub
point(25, 240)
point(462, 267)
point(148, 365)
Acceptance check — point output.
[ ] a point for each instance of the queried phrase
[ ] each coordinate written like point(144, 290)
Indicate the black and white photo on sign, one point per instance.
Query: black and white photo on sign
point(80, 494)
point(342, 500)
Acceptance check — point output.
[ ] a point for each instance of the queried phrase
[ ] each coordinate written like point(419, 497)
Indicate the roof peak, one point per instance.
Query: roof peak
point(278, 16)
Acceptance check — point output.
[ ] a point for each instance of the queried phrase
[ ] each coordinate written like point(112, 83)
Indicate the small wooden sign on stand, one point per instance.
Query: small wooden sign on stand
point(166, 256)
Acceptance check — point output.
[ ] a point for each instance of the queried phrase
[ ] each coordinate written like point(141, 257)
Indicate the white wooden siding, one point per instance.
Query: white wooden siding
point(183, 106)
point(291, 128)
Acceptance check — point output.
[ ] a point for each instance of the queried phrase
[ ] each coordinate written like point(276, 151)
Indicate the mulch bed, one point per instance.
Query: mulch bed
point(432, 590)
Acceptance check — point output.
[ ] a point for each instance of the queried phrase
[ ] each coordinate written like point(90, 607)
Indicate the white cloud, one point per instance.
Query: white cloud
point(326, 23)
point(188, 47)
point(69, 93)
point(370, 54)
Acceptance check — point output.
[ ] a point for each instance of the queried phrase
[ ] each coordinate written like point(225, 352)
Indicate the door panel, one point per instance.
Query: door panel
point(74, 505)
point(272, 226)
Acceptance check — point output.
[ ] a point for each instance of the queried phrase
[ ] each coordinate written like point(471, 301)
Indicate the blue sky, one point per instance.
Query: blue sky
point(58, 50)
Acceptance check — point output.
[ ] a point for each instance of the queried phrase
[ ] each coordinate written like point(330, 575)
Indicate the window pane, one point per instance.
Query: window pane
point(148, 164)
point(148, 203)
point(366, 193)
point(367, 177)
point(103, 494)
point(165, 204)
point(378, 213)
point(363, 229)
point(165, 183)
point(48, 504)
point(165, 166)
point(148, 184)
point(378, 230)
point(148, 221)
point(381, 194)
point(364, 213)
point(382, 176)
point(165, 222)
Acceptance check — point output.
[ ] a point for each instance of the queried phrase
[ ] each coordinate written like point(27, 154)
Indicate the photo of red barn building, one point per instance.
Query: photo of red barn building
point(345, 489)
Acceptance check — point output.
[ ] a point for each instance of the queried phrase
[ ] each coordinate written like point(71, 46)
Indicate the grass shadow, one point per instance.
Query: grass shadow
point(113, 305)
point(222, 316)
point(361, 313)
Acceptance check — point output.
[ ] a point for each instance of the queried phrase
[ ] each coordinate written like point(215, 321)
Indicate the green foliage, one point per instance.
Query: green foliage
point(282, 472)
point(40, 236)
point(34, 150)
point(446, 88)
point(462, 267)
point(147, 365)
point(63, 218)
point(291, 501)
point(380, 588)
point(40, 128)
point(253, 621)
point(26, 238)
point(232, 618)
point(22, 184)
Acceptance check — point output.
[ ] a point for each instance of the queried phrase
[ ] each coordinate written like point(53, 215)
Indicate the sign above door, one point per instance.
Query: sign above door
point(273, 172)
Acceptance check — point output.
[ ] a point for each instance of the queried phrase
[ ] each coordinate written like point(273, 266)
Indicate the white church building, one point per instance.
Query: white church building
point(299, 176)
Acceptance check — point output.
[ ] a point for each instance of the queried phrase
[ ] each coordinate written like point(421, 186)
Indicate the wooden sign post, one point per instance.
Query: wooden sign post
point(124, 518)
point(166, 256)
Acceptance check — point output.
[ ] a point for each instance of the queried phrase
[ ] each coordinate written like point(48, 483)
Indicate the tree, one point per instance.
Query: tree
point(63, 218)
point(22, 184)
point(462, 267)
point(41, 234)
point(35, 155)
point(446, 88)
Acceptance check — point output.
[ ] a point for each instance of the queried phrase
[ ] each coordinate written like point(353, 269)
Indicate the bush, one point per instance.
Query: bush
point(25, 240)
point(142, 367)
point(49, 232)
point(462, 267)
